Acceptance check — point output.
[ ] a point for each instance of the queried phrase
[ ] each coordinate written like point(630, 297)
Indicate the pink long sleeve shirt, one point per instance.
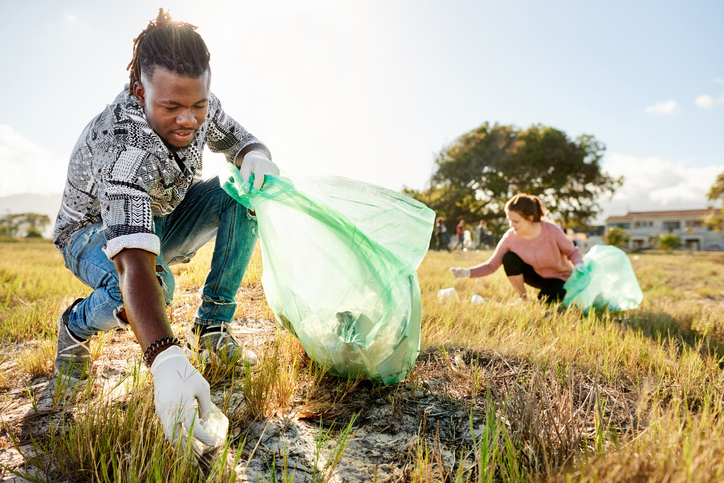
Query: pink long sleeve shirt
point(548, 253)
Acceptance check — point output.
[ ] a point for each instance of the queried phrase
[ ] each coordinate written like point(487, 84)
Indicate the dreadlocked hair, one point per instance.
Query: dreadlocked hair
point(173, 45)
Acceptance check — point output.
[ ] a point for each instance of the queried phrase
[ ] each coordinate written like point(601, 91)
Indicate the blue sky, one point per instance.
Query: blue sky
point(372, 90)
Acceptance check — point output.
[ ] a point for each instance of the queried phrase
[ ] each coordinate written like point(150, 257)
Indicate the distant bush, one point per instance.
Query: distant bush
point(617, 237)
point(23, 224)
point(668, 241)
point(33, 233)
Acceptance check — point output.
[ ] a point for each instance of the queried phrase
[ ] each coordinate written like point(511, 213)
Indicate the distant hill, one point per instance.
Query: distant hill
point(32, 203)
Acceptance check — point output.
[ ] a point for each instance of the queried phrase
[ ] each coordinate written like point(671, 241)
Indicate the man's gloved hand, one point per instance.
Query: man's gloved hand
point(460, 272)
point(177, 386)
point(579, 267)
point(257, 163)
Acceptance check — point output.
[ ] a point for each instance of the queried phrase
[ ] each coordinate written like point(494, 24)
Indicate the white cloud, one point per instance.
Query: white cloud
point(707, 102)
point(652, 184)
point(719, 80)
point(667, 107)
point(26, 167)
point(66, 20)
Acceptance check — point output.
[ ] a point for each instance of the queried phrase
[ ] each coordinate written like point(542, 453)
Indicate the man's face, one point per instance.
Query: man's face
point(175, 105)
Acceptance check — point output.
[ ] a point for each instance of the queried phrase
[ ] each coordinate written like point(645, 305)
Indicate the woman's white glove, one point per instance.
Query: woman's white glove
point(460, 272)
point(177, 387)
point(258, 164)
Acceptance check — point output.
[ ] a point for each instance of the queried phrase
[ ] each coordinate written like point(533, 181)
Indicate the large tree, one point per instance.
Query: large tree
point(716, 195)
point(477, 173)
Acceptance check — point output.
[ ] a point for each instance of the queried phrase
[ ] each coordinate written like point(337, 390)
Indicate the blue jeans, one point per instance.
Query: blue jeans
point(206, 212)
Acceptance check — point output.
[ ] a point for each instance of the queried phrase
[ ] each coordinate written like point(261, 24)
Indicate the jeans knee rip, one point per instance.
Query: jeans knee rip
point(252, 217)
point(206, 298)
point(116, 314)
point(166, 288)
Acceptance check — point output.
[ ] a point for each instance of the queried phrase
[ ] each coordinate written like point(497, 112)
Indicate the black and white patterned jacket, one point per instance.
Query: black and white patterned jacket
point(122, 173)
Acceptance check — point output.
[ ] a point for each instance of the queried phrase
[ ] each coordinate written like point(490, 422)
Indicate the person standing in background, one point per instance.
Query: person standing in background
point(460, 233)
point(443, 238)
point(483, 235)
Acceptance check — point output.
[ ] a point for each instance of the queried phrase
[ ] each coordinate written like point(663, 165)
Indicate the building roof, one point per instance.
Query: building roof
point(673, 215)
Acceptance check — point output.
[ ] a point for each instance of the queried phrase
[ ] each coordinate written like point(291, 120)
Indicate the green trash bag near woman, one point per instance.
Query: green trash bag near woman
point(340, 261)
point(606, 280)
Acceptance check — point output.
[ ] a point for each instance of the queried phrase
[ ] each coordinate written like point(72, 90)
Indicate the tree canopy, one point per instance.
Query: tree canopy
point(23, 224)
point(716, 194)
point(477, 173)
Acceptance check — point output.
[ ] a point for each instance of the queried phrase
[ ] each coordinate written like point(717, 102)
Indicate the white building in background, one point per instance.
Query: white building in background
point(644, 227)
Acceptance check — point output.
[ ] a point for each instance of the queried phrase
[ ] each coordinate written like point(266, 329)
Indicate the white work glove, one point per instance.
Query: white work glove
point(579, 267)
point(460, 272)
point(177, 386)
point(258, 164)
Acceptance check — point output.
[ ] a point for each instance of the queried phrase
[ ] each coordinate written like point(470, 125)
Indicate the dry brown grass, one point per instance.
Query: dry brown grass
point(499, 393)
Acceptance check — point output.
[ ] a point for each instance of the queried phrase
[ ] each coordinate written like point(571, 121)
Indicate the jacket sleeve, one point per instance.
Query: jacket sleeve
point(567, 247)
point(225, 135)
point(125, 203)
point(494, 262)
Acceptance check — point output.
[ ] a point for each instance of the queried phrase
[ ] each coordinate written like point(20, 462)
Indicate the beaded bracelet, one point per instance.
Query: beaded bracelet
point(154, 349)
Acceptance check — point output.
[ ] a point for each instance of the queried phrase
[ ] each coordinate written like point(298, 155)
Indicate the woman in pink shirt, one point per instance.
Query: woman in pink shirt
point(533, 251)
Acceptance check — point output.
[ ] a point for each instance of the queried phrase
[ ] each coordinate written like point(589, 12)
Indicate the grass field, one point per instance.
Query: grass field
point(536, 394)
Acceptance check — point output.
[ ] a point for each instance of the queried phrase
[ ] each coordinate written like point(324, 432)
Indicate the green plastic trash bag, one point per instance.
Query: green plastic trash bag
point(340, 262)
point(607, 280)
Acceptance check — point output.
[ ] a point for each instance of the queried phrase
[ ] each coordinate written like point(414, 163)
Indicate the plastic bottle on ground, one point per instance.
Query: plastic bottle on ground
point(446, 294)
point(217, 425)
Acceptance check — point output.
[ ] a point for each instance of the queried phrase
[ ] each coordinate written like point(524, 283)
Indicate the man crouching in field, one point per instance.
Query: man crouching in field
point(134, 204)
